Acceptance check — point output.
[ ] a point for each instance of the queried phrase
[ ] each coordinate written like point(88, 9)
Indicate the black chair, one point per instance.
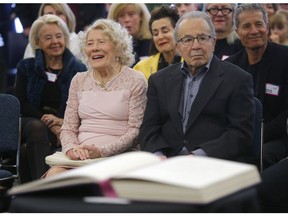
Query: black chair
point(258, 133)
point(9, 133)
point(16, 46)
point(6, 182)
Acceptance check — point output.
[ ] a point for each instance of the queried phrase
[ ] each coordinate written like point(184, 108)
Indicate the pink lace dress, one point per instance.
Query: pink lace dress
point(108, 118)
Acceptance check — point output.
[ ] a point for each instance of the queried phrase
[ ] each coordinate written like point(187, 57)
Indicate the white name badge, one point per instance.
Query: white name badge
point(51, 77)
point(272, 89)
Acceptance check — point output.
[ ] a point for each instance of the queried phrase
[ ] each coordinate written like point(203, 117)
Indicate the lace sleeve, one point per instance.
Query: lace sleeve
point(138, 88)
point(69, 130)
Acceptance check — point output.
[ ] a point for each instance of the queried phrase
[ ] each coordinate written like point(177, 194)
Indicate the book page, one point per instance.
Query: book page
point(202, 178)
point(200, 170)
point(95, 172)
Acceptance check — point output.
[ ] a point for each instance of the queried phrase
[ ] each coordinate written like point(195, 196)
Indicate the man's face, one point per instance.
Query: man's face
point(252, 29)
point(196, 54)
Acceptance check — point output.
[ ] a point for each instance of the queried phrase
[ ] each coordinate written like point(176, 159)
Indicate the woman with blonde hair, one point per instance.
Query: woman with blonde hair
point(42, 85)
point(66, 14)
point(134, 17)
point(106, 104)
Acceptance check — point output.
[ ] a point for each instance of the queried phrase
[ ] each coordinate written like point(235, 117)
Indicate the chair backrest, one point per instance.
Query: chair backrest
point(17, 43)
point(9, 123)
point(258, 131)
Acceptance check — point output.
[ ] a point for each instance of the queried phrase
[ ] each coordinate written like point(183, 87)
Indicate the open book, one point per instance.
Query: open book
point(60, 159)
point(144, 176)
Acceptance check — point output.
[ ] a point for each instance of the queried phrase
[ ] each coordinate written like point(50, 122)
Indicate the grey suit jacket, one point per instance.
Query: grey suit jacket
point(221, 117)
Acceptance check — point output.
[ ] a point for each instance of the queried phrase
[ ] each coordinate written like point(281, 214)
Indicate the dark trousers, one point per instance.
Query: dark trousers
point(273, 191)
point(274, 151)
point(37, 142)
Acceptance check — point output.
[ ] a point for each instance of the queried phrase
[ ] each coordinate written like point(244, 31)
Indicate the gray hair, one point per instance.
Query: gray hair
point(195, 15)
point(252, 8)
point(118, 35)
point(44, 20)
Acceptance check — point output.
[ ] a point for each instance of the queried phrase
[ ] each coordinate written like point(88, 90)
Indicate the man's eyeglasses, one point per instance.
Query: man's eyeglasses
point(189, 40)
point(224, 11)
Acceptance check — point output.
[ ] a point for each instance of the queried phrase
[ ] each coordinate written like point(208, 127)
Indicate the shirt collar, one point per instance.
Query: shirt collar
point(185, 70)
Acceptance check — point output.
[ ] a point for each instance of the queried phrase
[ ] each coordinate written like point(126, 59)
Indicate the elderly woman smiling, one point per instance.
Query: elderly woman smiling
point(106, 104)
point(42, 85)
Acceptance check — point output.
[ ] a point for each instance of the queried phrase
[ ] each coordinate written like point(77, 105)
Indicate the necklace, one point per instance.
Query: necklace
point(103, 83)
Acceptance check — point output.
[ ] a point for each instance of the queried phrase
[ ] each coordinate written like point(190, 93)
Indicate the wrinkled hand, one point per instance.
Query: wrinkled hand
point(83, 152)
point(51, 120)
point(93, 151)
point(78, 153)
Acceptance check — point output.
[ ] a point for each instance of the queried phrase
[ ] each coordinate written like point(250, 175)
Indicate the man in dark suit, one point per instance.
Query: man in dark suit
point(202, 106)
point(268, 64)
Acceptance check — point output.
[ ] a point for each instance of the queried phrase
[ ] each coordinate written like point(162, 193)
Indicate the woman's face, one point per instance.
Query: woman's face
point(222, 23)
point(100, 50)
point(162, 31)
point(51, 40)
point(130, 19)
point(48, 9)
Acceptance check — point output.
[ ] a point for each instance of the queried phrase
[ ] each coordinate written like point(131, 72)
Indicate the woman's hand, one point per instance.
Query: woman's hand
point(83, 152)
point(93, 151)
point(51, 120)
point(78, 153)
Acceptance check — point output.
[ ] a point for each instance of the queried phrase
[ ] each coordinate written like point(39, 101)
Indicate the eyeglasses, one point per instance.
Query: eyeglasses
point(224, 11)
point(189, 40)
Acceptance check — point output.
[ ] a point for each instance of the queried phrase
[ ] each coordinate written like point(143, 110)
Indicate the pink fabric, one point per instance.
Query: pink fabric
point(107, 118)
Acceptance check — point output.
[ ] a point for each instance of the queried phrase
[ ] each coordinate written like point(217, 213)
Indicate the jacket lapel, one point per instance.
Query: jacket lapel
point(209, 85)
point(174, 92)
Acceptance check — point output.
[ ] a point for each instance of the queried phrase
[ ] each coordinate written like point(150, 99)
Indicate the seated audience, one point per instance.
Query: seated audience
point(106, 104)
point(42, 85)
point(202, 106)
point(267, 63)
point(222, 15)
point(134, 17)
point(163, 50)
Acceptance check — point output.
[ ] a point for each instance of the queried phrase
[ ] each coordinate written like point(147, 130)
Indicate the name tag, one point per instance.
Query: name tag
point(272, 89)
point(51, 77)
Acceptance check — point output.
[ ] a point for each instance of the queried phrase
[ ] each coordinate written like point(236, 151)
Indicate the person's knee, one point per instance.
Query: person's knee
point(35, 131)
point(35, 125)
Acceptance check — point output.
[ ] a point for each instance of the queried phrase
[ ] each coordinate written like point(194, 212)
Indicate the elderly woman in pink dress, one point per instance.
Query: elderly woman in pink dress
point(106, 104)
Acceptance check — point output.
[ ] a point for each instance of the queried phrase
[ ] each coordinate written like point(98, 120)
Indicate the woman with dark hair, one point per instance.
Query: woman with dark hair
point(163, 50)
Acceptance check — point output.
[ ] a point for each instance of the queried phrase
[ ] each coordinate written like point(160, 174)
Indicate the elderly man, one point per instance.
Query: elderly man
point(267, 63)
point(203, 106)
